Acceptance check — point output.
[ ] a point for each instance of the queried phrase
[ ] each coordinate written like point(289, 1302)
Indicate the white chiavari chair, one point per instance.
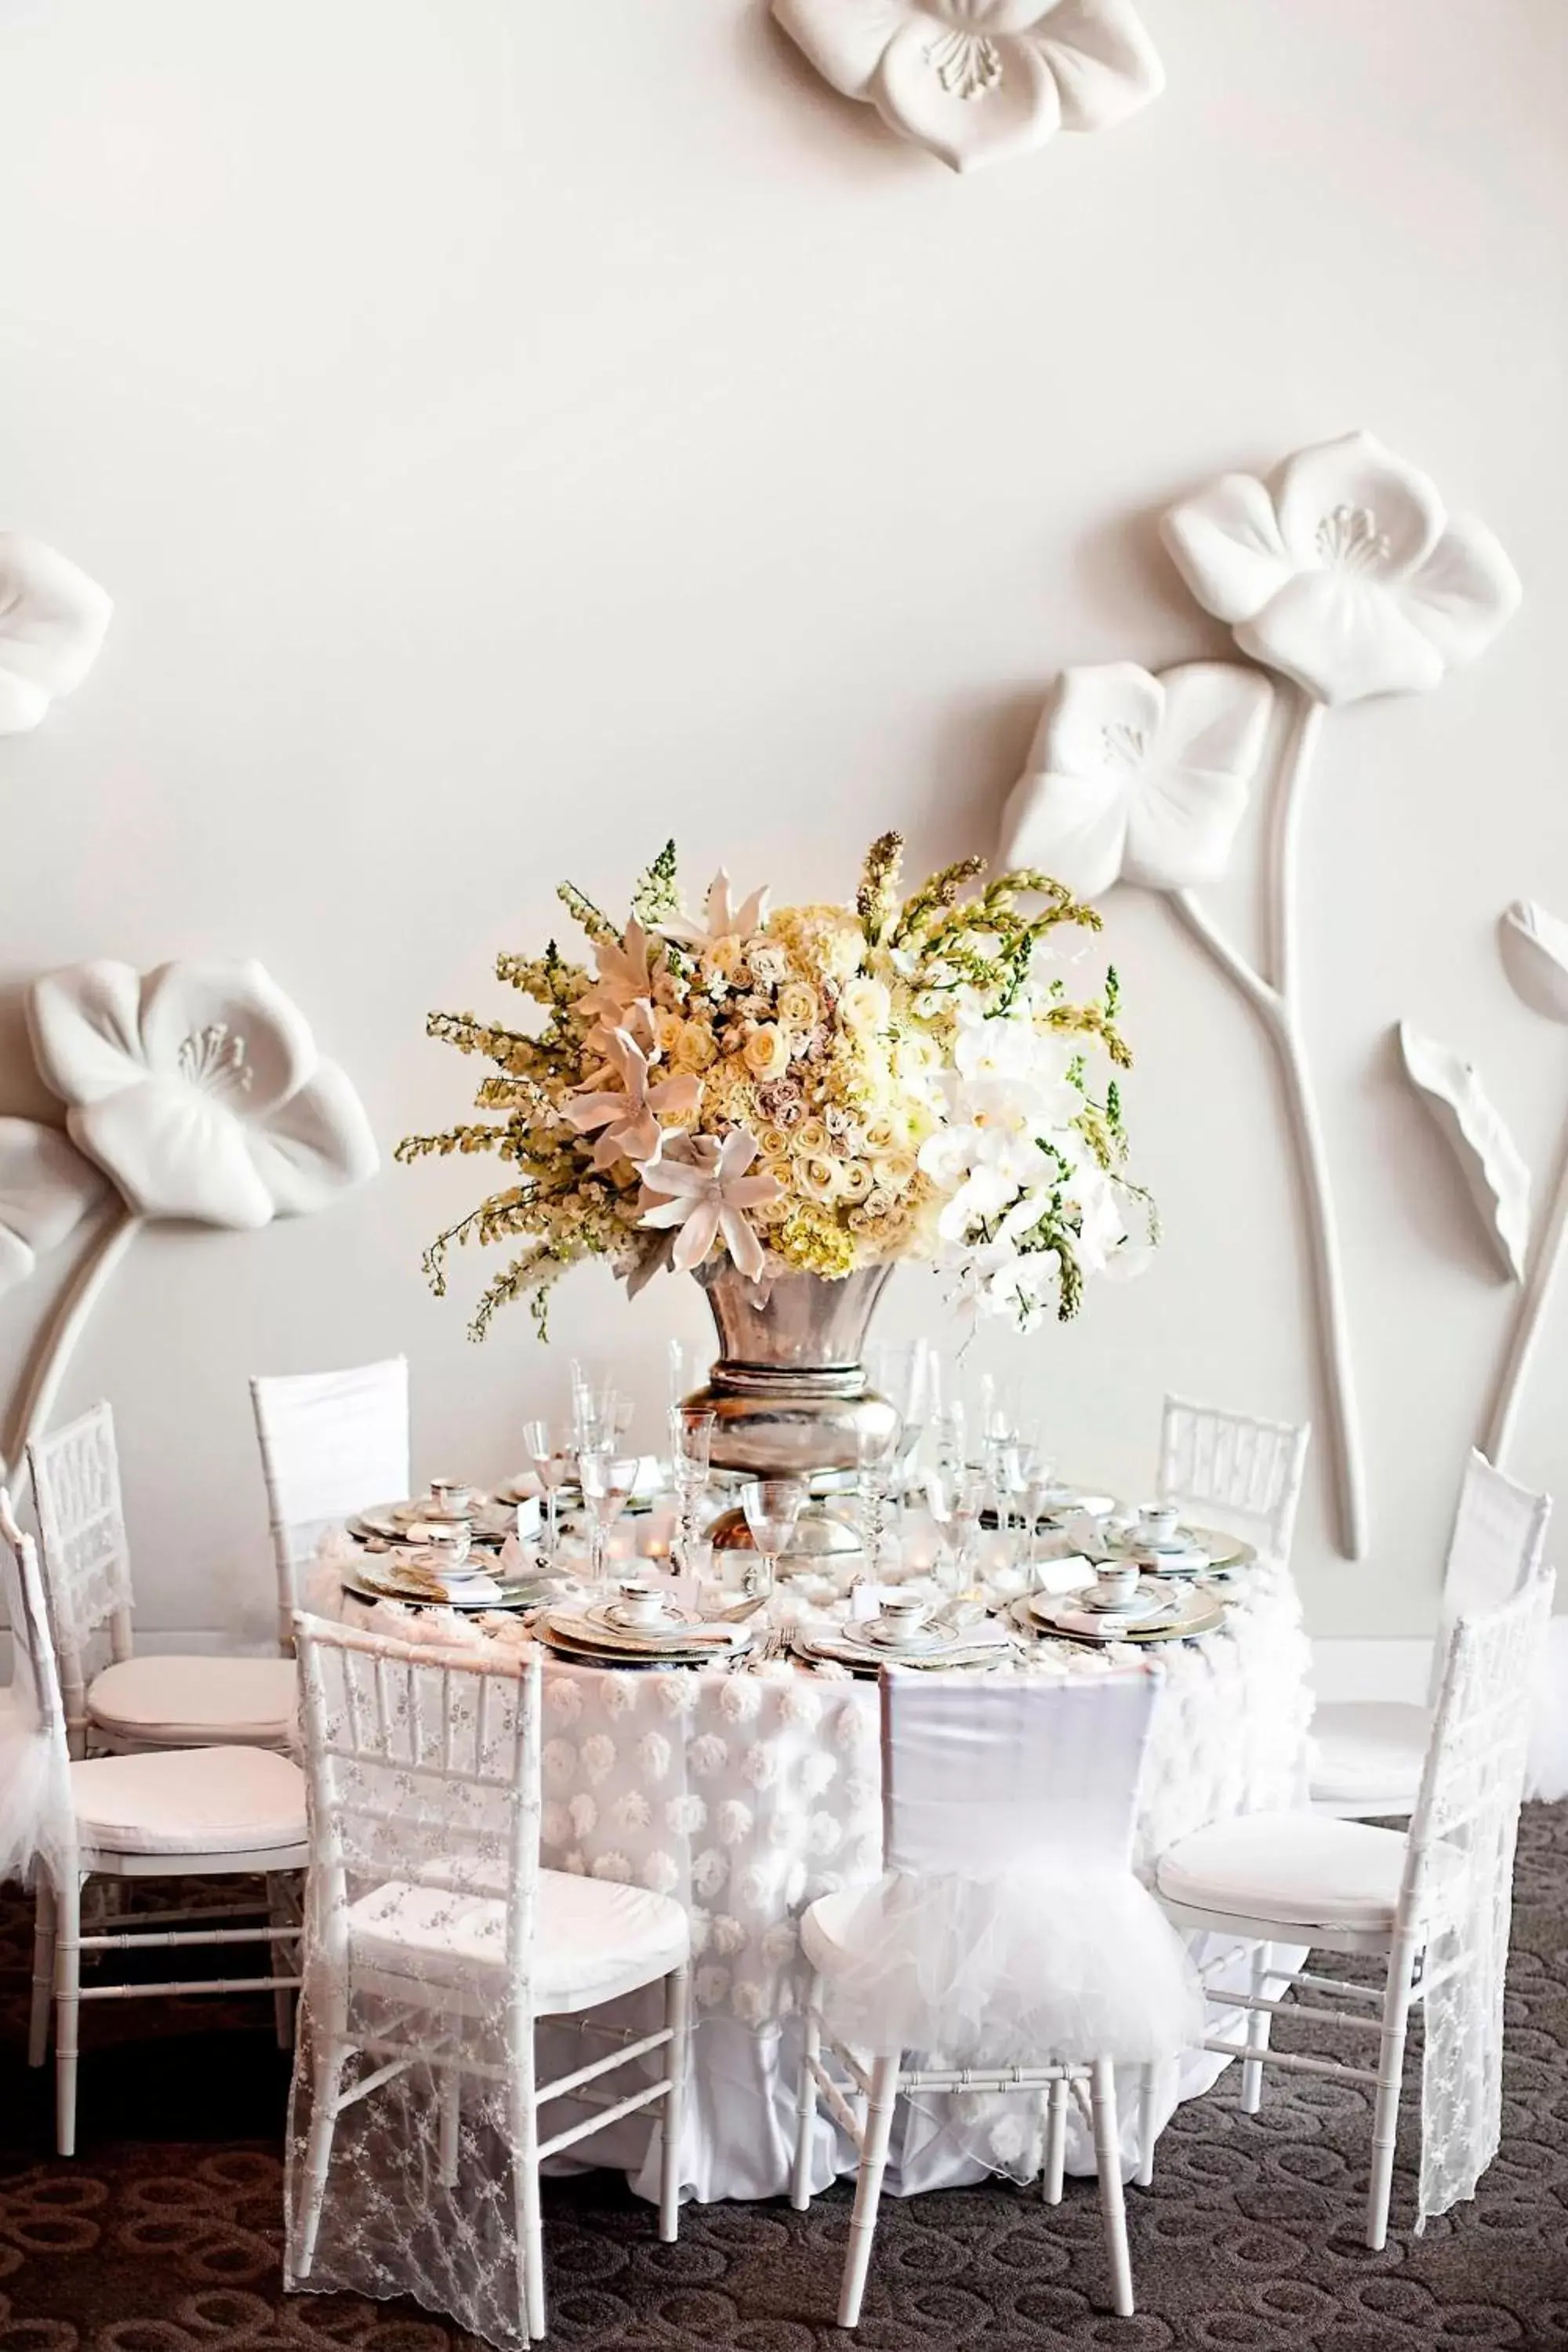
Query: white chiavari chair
point(176, 1813)
point(1433, 1904)
point(1369, 1753)
point(1242, 1473)
point(332, 1443)
point(434, 1942)
point(136, 1701)
point(1007, 1933)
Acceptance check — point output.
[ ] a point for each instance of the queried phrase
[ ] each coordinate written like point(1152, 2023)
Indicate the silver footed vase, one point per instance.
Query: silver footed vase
point(788, 1391)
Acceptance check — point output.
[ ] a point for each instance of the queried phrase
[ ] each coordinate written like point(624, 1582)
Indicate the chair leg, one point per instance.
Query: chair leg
point(1257, 2025)
point(1053, 2164)
point(525, 2167)
point(868, 2189)
point(677, 2018)
point(68, 2007)
point(42, 1968)
point(1108, 2161)
point(805, 2099)
point(326, 2081)
point(1390, 2075)
point(1148, 2103)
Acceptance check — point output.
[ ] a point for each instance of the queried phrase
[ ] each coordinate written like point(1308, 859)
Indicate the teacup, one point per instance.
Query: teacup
point(450, 1500)
point(446, 1541)
point(1115, 1584)
point(900, 1619)
point(640, 1604)
point(1158, 1524)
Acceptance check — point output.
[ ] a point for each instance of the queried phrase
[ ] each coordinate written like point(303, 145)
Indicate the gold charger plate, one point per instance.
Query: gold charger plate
point(425, 1592)
point(1201, 1614)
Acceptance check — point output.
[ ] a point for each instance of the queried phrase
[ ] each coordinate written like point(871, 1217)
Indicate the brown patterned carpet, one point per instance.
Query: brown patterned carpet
point(164, 2236)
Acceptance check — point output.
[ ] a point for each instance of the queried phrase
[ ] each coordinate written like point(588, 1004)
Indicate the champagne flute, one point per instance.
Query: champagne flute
point(608, 1480)
point(772, 1506)
point(551, 1460)
point(691, 1452)
point(877, 1450)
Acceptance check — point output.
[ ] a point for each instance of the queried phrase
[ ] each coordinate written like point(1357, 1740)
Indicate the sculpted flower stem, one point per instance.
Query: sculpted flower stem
point(1277, 1004)
point(56, 1342)
point(1529, 1315)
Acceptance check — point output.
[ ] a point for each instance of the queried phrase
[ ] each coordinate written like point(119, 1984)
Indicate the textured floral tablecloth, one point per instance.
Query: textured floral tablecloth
point(747, 1794)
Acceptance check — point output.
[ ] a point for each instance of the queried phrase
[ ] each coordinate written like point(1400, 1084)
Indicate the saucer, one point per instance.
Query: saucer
point(900, 1637)
point(1141, 1610)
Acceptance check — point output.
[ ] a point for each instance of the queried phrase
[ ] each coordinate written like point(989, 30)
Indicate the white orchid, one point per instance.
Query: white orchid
point(199, 1090)
point(1343, 571)
point(707, 1193)
point(976, 82)
point(723, 918)
point(1137, 777)
point(53, 619)
point(630, 1119)
point(45, 1189)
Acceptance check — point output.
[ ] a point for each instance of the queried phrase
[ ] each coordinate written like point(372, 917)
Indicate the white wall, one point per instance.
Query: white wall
point(513, 432)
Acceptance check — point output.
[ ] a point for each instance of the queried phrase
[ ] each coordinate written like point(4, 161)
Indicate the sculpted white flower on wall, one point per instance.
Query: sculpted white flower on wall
point(974, 81)
point(45, 1189)
point(199, 1090)
point(1342, 570)
point(53, 620)
point(1139, 778)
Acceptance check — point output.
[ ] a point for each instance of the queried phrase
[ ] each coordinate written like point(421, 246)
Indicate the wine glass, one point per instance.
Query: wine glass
point(772, 1506)
point(954, 1499)
point(551, 1460)
point(690, 1452)
point(906, 1376)
point(608, 1480)
point(877, 1450)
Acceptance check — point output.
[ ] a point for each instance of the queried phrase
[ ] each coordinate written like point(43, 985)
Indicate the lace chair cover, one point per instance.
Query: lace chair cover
point(1246, 1472)
point(86, 1556)
point(1008, 1924)
point(424, 1777)
point(1499, 1529)
point(1470, 1798)
point(332, 1443)
point(36, 1818)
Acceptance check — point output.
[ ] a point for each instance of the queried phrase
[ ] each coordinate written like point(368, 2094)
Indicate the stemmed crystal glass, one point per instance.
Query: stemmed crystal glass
point(551, 1459)
point(954, 1495)
point(772, 1506)
point(608, 1480)
point(691, 1452)
point(906, 1376)
point(878, 1452)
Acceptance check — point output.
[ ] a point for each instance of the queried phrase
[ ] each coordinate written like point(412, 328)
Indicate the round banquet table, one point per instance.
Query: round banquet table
point(746, 1795)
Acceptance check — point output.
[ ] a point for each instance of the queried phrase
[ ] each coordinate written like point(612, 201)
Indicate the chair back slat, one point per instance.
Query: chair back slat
point(977, 1774)
point(424, 1772)
point(1243, 1472)
point(1500, 1531)
point(36, 1811)
point(85, 1553)
point(332, 1443)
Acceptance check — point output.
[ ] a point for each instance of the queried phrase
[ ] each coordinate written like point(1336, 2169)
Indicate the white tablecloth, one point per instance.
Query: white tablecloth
point(746, 1795)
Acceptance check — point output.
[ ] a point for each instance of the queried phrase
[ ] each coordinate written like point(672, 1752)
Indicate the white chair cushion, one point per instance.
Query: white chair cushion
point(594, 1939)
point(191, 1702)
point(190, 1800)
point(1370, 1751)
point(1305, 1870)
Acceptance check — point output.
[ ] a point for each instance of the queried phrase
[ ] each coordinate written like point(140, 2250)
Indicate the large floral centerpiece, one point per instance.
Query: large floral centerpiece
point(815, 1089)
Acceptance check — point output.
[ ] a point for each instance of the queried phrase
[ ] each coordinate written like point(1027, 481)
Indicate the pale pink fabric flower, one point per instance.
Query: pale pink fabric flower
point(630, 1120)
point(706, 1191)
point(723, 918)
point(625, 976)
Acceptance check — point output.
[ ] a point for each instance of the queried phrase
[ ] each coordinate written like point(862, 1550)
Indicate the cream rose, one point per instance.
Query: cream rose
point(811, 1136)
point(767, 1051)
point(694, 1048)
point(819, 1177)
point(798, 1006)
